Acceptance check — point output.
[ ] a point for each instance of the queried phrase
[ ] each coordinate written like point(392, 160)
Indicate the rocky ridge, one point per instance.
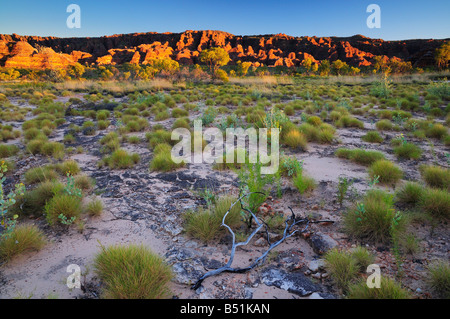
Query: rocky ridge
point(270, 50)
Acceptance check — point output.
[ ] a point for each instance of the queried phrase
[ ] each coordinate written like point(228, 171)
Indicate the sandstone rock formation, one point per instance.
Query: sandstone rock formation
point(270, 50)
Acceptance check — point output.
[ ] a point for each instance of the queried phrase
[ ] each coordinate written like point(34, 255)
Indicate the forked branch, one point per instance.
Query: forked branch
point(290, 223)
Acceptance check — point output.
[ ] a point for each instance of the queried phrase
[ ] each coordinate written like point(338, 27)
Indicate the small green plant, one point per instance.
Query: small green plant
point(66, 221)
point(344, 184)
point(6, 201)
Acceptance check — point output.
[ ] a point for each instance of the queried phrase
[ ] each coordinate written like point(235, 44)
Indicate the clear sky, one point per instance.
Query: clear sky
point(400, 19)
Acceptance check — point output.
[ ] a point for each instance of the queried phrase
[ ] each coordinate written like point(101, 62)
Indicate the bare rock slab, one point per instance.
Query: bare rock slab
point(296, 283)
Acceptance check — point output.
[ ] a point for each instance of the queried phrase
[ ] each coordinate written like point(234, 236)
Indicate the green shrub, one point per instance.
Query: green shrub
point(202, 224)
point(314, 120)
point(69, 166)
point(388, 172)
point(132, 272)
point(303, 183)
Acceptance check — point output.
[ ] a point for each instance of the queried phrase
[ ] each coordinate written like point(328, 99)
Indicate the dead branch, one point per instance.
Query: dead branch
point(288, 232)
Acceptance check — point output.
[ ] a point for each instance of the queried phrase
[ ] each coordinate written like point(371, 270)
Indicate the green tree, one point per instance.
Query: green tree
point(242, 68)
point(339, 66)
point(214, 58)
point(76, 70)
point(324, 67)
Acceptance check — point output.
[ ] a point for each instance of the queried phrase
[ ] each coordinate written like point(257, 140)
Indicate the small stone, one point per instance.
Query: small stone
point(315, 295)
point(321, 243)
point(325, 275)
point(316, 275)
point(316, 265)
point(260, 242)
point(307, 273)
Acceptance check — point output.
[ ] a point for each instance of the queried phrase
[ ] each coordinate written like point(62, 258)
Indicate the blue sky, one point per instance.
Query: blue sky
point(400, 19)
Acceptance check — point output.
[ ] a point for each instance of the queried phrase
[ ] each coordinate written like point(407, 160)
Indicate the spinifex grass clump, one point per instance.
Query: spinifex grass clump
point(162, 159)
point(21, 239)
point(120, 159)
point(205, 224)
point(410, 193)
point(407, 151)
point(436, 202)
point(373, 218)
point(360, 156)
point(436, 176)
point(439, 278)
point(372, 137)
point(295, 139)
point(132, 272)
point(387, 172)
point(389, 289)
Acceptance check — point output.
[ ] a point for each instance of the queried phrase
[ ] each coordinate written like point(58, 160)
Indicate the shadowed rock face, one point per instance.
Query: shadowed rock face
point(270, 50)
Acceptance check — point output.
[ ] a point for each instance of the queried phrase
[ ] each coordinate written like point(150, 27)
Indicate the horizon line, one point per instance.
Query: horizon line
point(236, 35)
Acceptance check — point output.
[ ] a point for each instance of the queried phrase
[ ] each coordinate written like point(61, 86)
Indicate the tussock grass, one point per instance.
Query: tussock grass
point(372, 218)
point(372, 137)
point(410, 193)
point(436, 176)
point(389, 289)
point(94, 207)
point(388, 172)
point(22, 239)
point(132, 272)
point(439, 278)
point(67, 205)
point(162, 159)
point(408, 151)
point(341, 266)
point(436, 202)
point(360, 156)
